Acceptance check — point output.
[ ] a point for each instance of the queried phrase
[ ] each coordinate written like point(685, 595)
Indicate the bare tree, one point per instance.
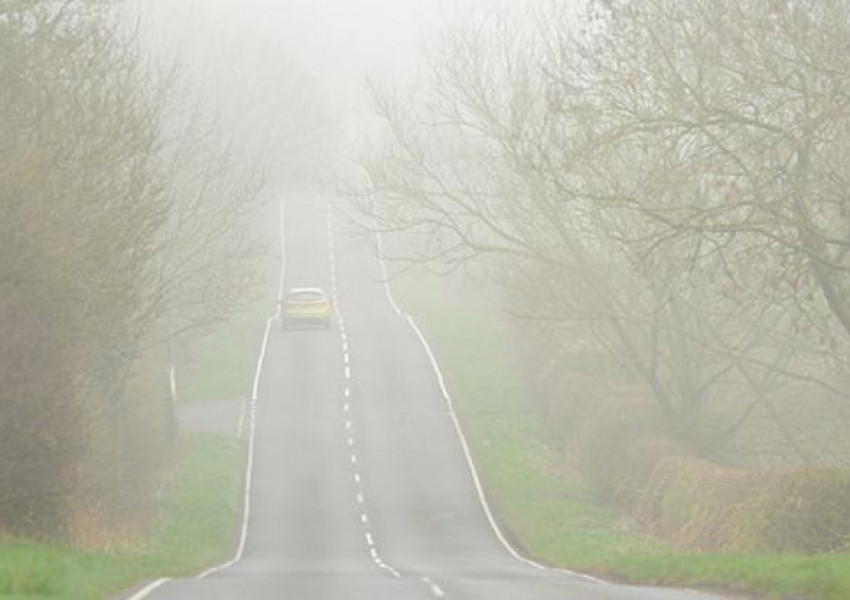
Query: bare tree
point(733, 118)
point(122, 225)
point(584, 164)
point(718, 130)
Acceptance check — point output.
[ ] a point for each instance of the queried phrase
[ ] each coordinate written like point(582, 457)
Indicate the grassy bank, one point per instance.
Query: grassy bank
point(550, 513)
point(196, 530)
point(221, 364)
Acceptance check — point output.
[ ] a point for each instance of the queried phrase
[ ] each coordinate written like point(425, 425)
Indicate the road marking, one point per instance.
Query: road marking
point(435, 589)
point(252, 421)
point(390, 569)
point(145, 591)
point(349, 425)
point(252, 428)
point(464, 444)
point(385, 274)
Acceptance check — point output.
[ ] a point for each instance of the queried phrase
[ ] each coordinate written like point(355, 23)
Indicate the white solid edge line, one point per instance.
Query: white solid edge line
point(386, 276)
point(143, 593)
point(474, 470)
point(249, 466)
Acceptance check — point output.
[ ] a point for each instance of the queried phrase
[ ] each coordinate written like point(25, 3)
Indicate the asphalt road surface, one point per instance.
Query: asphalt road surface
point(361, 488)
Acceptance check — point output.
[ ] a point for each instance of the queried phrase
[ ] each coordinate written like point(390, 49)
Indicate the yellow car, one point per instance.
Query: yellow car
point(305, 306)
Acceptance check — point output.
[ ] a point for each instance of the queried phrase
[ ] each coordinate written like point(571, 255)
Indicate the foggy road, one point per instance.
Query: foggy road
point(361, 488)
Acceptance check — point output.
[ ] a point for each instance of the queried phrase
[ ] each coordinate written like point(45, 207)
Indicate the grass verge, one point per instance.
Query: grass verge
point(551, 514)
point(196, 531)
point(221, 364)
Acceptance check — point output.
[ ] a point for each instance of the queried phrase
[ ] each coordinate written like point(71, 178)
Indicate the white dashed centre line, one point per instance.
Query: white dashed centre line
point(435, 589)
point(346, 406)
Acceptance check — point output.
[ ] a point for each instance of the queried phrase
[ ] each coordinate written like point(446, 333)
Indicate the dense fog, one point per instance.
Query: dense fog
point(566, 259)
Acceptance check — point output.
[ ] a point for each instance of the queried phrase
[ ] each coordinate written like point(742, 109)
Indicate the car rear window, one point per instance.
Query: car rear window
point(305, 296)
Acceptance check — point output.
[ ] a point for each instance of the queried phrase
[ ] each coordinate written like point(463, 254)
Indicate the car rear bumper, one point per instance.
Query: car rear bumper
point(305, 321)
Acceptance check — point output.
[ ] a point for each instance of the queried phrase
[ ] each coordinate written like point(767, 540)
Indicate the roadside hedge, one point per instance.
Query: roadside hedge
point(670, 493)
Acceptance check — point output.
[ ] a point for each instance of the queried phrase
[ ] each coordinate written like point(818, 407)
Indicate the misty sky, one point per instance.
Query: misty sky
point(340, 41)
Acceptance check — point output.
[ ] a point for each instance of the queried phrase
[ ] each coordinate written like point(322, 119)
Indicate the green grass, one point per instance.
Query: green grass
point(221, 364)
point(546, 509)
point(196, 531)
